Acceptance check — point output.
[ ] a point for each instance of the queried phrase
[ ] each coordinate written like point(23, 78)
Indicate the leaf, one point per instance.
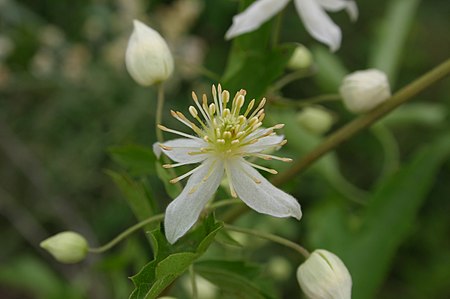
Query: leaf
point(253, 64)
point(370, 246)
point(331, 69)
point(172, 189)
point(172, 260)
point(392, 35)
point(137, 195)
point(236, 278)
point(137, 160)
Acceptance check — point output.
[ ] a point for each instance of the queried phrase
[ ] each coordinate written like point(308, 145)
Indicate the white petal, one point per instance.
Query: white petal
point(183, 211)
point(261, 196)
point(181, 150)
point(254, 16)
point(337, 5)
point(318, 23)
point(263, 144)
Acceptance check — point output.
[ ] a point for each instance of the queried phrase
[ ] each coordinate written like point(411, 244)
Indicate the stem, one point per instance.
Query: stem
point(276, 29)
point(390, 149)
point(364, 121)
point(282, 101)
point(303, 73)
point(159, 112)
point(143, 223)
point(126, 233)
point(193, 283)
point(270, 237)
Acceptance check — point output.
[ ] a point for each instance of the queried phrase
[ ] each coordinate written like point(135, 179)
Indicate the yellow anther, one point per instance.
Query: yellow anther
point(226, 135)
point(212, 109)
point(193, 111)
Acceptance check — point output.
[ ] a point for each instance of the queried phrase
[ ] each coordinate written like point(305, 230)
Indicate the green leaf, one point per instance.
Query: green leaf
point(137, 195)
point(172, 260)
point(253, 64)
point(235, 278)
point(392, 35)
point(331, 69)
point(368, 247)
point(137, 160)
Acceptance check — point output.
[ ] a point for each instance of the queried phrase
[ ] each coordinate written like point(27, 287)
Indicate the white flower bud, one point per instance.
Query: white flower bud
point(300, 59)
point(66, 247)
point(315, 120)
point(148, 58)
point(324, 276)
point(361, 91)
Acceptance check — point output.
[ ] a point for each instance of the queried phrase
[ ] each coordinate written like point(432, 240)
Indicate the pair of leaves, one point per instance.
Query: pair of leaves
point(171, 261)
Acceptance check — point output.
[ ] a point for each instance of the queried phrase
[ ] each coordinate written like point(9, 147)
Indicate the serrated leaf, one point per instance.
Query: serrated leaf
point(172, 260)
point(235, 278)
point(137, 160)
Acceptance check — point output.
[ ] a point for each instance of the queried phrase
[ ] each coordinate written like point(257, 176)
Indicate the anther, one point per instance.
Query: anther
point(193, 111)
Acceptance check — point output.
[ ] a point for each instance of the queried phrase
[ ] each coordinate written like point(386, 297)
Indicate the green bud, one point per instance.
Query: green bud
point(66, 247)
point(315, 120)
point(300, 59)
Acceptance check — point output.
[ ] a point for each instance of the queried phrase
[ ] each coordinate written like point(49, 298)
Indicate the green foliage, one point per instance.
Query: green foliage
point(367, 247)
point(235, 279)
point(171, 261)
point(137, 160)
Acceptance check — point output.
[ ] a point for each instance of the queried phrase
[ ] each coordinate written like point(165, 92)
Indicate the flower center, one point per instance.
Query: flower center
point(227, 129)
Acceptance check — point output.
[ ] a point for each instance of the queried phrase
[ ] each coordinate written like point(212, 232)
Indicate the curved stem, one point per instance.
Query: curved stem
point(403, 95)
point(282, 101)
point(193, 282)
point(390, 149)
point(303, 73)
point(270, 237)
point(143, 223)
point(159, 112)
point(126, 233)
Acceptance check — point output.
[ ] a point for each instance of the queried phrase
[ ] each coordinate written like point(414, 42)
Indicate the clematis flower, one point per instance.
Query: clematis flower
point(221, 142)
point(312, 13)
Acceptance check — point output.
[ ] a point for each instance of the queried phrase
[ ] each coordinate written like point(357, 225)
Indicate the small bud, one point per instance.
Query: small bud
point(300, 59)
point(148, 58)
point(361, 91)
point(66, 247)
point(324, 276)
point(315, 120)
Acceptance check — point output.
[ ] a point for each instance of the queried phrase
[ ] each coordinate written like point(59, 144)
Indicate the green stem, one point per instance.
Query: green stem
point(303, 73)
point(277, 29)
point(193, 283)
point(270, 237)
point(390, 149)
point(282, 101)
point(159, 112)
point(126, 233)
point(143, 223)
point(403, 95)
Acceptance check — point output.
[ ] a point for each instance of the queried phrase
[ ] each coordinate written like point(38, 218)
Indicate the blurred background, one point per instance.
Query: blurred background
point(66, 101)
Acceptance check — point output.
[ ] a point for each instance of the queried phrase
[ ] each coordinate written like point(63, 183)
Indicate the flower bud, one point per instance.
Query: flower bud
point(361, 91)
point(148, 58)
point(315, 120)
point(66, 247)
point(300, 59)
point(324, 276)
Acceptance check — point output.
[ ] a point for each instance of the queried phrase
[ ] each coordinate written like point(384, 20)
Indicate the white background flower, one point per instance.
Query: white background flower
point(226, 137)
point(312, 13)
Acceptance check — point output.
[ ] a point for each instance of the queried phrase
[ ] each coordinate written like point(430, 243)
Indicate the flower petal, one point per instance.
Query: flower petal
point(180, 150)
point(337, 5)
point(183, 211)
point(254, 16)
point(261, 196)
point(263, 144)
point(318, 23)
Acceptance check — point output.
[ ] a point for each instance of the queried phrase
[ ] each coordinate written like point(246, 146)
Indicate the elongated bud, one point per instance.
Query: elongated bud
point(315, 120)
point(324, 276)
point(300, 59)
point(362, 91)
point(148, 58)
point(66, 247)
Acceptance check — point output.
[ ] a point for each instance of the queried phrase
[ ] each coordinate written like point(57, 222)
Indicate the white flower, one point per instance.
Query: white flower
point(148, 58)
point(67, 247)
point(223, 139)
point(324, 276)
point(312, 12)
point(362, 91)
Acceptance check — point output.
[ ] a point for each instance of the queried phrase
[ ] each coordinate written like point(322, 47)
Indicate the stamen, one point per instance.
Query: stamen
point(270, 157)
point(177, 179)
point(249, 107)
point(162, 128)
point(269, 170)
